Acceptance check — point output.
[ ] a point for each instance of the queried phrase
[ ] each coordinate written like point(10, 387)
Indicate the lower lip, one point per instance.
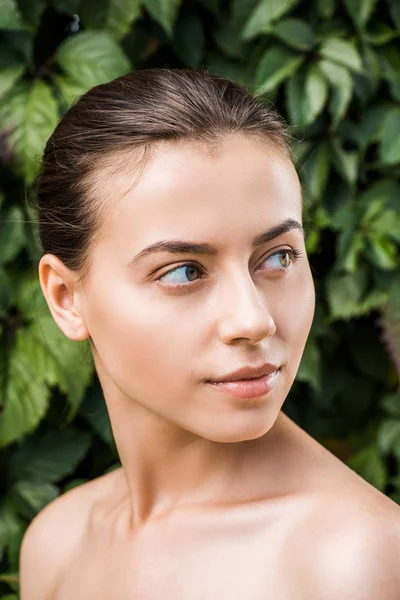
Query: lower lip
point(248, 388)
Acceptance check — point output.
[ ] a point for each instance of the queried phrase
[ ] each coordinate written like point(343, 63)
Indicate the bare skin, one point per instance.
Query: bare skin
point(218, 497)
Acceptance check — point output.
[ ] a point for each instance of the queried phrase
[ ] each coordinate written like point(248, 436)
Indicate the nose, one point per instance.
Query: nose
point(245, 314)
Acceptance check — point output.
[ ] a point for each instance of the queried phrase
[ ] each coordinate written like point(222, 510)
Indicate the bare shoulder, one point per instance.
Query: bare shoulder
point(357, 537)
point(357, 548)
point(54, 533)
point(349, 544)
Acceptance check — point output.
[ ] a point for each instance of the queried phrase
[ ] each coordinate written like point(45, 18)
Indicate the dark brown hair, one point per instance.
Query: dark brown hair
point(130, 116)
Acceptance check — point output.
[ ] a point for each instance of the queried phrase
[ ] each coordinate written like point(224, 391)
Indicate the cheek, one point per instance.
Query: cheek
point(294, 313)
point(142, 342)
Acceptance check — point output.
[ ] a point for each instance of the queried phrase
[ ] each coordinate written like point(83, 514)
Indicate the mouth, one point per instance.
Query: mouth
point(248, 388)
point(247, 373)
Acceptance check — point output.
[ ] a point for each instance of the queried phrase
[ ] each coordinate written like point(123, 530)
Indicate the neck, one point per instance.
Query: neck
point(167, 467)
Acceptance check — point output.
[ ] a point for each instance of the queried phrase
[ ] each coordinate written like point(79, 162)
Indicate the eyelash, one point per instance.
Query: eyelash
point(294, 255)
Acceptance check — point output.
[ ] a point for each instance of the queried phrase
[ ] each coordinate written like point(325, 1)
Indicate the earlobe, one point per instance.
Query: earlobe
point(58, 285)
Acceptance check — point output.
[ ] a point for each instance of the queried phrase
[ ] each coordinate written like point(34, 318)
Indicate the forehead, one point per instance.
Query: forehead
point(189, 190)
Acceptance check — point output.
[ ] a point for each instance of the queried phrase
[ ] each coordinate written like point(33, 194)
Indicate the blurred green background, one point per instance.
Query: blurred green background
point(332, 68)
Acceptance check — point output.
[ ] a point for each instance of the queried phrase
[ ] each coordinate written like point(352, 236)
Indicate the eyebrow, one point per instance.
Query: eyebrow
point(183, 247)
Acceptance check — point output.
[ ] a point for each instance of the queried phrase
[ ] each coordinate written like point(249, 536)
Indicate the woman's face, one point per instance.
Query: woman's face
point(164, 323)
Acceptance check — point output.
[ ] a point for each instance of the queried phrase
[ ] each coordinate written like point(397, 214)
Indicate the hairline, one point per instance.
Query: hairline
point(129, 157)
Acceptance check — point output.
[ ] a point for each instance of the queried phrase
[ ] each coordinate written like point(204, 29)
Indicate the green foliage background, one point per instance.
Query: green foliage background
point(332, 68)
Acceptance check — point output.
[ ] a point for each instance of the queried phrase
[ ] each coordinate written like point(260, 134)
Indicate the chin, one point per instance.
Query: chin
point(245, 428)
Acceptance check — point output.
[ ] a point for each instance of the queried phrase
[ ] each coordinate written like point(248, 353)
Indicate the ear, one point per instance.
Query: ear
point(59, 286)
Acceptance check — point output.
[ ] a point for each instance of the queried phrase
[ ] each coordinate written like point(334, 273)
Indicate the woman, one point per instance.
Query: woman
point(171, 223)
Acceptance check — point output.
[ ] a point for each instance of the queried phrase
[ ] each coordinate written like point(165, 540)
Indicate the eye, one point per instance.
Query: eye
point(187, 270)
point(283, 259)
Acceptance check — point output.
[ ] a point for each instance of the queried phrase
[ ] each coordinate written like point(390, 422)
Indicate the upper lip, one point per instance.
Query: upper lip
point(249, 372)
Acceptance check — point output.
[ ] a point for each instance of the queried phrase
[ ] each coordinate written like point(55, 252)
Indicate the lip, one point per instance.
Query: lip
point(246, 373)
point(248, 388)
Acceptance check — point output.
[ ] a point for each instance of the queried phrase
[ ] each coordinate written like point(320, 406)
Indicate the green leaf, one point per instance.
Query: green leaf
point(189, 40)
point(387, 191)
point(316, 92)
point(394, 84)
point(388, 435)
point(218, 64)
point(369, 464)
point(32, 11)
point(380, 35)
point(11, 69)
point(316, 171)
point(391, 404)
point(342, 88)
point(12, 580)
point(240, 8)
point(326, 8)
point(310, 366)
point(6, 292)
point(94, 410)
point(371, 210)
point(295, 33)
point(22, 44)
point(342, 52)
point(360, 10)
point(226, 34)
point(165, 12)
point(345, 216)
point(14, 547)
point(10, 523)
point(389, 57)
point(369, 128)
point(48, 456)
point(116, 16)
point(312, 241)
point(349, 248)
point(4, 367)
point(32, 496)
point(42, 357)
point(265, 13)
point(32, 241)
point(306, 95)
point(390, 142)
point(26, 399)
point(12, 234)
point(294, 97)
point(276, 65)
point(54, 358)
point(344, 293)
point(345, 162)
point(367, 83)
point(70, 90)
point(394, 9)
point(92, 58)
point(10, 16)
point(381, 251)
point(28, 116)
point(387, 223)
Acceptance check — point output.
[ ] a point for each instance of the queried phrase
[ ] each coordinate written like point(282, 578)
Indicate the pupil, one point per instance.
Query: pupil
point(191, 269)
point(285, 262)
